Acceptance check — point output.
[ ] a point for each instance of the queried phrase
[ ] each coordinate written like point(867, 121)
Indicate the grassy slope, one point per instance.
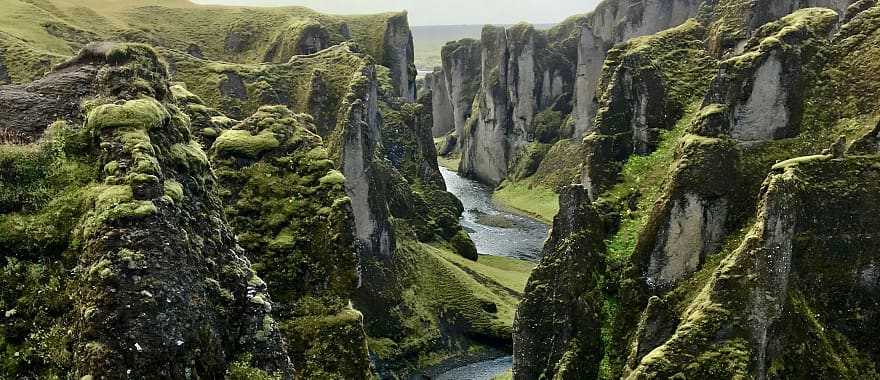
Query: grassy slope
point(25, 37)
point(458, 289)
point(534, 200)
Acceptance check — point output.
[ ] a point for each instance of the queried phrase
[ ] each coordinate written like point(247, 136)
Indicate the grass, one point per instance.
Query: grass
point(537, 201)
point(58, 28)
point(450, 162)
point(505, 376)
point(507, 272)
point(647, 175)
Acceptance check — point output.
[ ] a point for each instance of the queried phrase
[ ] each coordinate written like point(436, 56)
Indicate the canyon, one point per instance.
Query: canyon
point(654, 189)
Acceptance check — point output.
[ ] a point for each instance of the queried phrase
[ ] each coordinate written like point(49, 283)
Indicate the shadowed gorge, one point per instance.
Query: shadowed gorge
point(656, 189)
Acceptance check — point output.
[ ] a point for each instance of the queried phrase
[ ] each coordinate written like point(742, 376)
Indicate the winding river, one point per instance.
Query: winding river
point(495, 232)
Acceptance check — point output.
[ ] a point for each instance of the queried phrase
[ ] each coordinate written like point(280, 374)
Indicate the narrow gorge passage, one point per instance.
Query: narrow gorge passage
point(495, 231)
point(411, 190)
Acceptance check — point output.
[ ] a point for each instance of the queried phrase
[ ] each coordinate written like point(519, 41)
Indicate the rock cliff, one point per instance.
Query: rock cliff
point(563, 69)
point(715, 225)
point(309, 128)
point(129, 230)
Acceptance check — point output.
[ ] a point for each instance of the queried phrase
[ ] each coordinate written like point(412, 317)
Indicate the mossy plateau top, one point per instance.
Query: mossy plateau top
point(31, 31)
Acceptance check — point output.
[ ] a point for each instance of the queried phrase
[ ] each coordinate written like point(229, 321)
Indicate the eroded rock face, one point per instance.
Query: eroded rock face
point(462, 69)
point(612, 23)
point(695, 226)
point(761, 298)
point(640, 100)
point(758, 96)
point(157, 285)
point(398, 45)
point(357, 151)
point(556, 331)
point(523, 73)
point(591, 58)
point(441, 104)
point(487, 136)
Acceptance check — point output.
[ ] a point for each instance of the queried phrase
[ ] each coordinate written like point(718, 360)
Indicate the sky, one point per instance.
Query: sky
point(444, 12)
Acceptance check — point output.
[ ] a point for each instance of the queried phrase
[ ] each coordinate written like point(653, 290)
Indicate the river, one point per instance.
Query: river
point(495, 231)
point(498, 232)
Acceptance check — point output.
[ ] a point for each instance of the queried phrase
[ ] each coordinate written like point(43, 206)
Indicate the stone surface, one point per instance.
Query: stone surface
point(462, 69)
point(556, 331)
point(398, 56)
point(441, 102)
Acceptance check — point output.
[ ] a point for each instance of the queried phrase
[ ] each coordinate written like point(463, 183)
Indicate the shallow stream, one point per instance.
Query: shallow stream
point(495, 232)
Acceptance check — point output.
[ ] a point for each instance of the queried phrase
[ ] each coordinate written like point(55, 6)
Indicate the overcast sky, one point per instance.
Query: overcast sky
point(445, 12)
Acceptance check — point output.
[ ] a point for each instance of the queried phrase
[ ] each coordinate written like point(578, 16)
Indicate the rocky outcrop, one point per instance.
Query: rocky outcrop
point(524, 71)
point(777, 293)
point(462, 70)
point(441, 104)
point(758, 95)
point(556, 331)
point(32, 108)
point(609, 24)
point(356, 148)
point(134, 239)
point(591, 59)
point(398, 53)
point(691, 219)
point(300, 238)
point(643, 98)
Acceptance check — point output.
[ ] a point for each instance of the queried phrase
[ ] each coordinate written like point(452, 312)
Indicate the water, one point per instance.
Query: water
point(479, 371)
point(493, 230)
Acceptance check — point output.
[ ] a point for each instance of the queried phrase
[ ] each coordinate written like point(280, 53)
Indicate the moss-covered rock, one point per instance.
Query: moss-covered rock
point(289, 209)
point(772, 290)
point(758, 95)
point(707, 319)
point(648, 86)
point(562, 300)
point(129, 244)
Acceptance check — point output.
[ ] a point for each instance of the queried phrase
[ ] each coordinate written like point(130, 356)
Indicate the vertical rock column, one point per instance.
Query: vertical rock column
point(556, 331)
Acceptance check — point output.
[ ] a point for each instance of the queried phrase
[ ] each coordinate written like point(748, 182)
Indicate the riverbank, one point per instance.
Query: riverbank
point(495, 230)
point(522, 198)
point(533, 200)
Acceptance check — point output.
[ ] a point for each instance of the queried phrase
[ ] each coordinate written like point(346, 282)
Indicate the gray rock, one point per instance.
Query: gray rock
point(399, 56)
point(442, 109)
point(462, 69)
point(560, 310)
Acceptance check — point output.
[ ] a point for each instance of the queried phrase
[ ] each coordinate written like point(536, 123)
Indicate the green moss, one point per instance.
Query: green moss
point(239, 142)
point(679, 56)
point(241, 369)
point(463, 245)
point(561, 166)
point(532, 199)
point(644, 176)
point(332, 178)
